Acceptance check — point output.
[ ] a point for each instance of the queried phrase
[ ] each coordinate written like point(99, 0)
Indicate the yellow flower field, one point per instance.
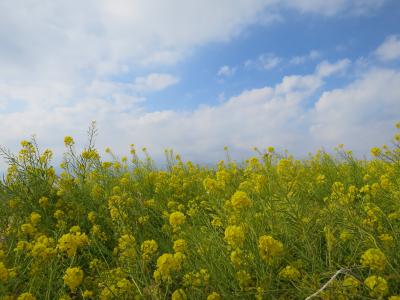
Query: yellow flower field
point(272, 227)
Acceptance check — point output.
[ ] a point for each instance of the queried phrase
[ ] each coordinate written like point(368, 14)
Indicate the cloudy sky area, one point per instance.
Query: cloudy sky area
point(198, 75)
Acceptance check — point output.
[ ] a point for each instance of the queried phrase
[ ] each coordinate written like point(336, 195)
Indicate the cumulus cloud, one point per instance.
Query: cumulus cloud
point(266, 61)
point(76, 42)
point(56, 50)
point(277, 115)
point(57, 39)
point(326, 69)
point(362, 114)
point(269, 61)
point(152, 82)
point(390, 49)
point(155, 82)
point(226, 71)
point(301, 59)
point(65, 38)
point(26, 95)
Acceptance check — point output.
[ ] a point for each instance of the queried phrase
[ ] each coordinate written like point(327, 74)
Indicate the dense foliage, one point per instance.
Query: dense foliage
point(272, 227)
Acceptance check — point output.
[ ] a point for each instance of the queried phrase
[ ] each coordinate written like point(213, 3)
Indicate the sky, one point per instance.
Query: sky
point(196, 76)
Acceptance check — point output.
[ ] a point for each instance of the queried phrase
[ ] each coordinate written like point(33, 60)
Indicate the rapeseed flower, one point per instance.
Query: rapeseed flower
point(149, 248)
point(92, 217)
point(212, 185)
point(167, 265)
point(143, 219)
point(70, 242)
point(216, 222)
point(321, 179)
point(28, 229)
point(68, 141)
point(35, 218)
point(244, 278)
point(376, 151)
point(127, 246)
point(88, 294)
point(179, 294)
point(269, 248)
point(290, 273)
point(22, 245)
point(234, 236)
point(176, 219)
point(351, 284)
point(345, 235)
point(378, 286)
point(374, 258)
point(98, 233)
point(386, 239)
point(214, 296)
point(73, 277)
point(196, 279)
point(180, 246)
point(240, 200)
point(42, 247)
point(3, 273)
point(58, 214)
point(26, 296)
point(237, 257)
point(43, 201)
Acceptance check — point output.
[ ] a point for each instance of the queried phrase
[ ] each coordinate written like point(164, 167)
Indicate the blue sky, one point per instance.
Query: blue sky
point(198, 75)
point(331, 38)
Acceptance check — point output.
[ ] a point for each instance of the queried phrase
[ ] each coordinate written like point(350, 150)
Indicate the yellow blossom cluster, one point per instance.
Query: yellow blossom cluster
point(73, 278)
point(378, 286)
point(269, 248)
point(240, 200)
point(149, 249)
point(290, 273)
point(176, 219)
point(180, 245)
point(126, 246)
point(234, 236)
point(196, 279)
point(70, 242)
point(374, 259)
point(167, 265)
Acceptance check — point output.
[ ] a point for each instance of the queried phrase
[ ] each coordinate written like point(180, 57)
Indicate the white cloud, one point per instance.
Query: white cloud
point(70, 44)
point(269, 61)
point(312, 55)
point(64, 38)
point(266, 61)
point(279, 115)
point(143, 84)
point(30, 94)
point(226, 71)
point(154, 82)
point(326, 69)
point(52, 48)
point(272, 115)
point(20, 96)
point(390, 49)
point(360, 115)
point(60, 39)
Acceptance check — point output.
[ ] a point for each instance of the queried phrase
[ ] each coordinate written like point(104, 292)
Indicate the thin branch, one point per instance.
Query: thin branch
point(341, 271)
